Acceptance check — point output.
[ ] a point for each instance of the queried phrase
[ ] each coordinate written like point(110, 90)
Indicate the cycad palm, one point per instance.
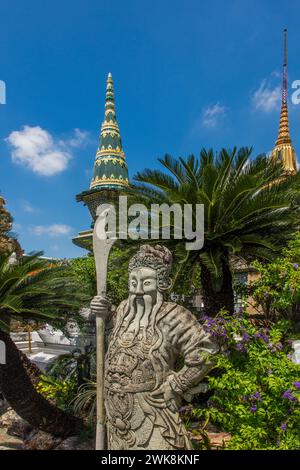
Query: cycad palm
point(30, 289)
point(250, 210)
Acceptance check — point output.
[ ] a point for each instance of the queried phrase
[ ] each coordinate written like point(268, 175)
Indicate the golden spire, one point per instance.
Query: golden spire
point(284, 150)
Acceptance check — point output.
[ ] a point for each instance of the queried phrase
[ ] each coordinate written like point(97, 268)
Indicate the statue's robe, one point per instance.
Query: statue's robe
point(138, 363)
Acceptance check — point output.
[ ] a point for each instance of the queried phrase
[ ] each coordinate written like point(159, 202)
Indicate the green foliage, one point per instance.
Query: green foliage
point(59, 392)
point(277, 290)
point(85, 271)
point(250, 209)
point(183, 284)
point(117, 276)
point(76, 365)
point(85, 401)
point(33, 289)
point(67, 382)
point(255, 386)
point(117, 279)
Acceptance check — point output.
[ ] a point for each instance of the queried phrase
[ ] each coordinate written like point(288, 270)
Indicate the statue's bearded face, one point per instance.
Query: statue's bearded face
point(143, 281)
point(143, 296)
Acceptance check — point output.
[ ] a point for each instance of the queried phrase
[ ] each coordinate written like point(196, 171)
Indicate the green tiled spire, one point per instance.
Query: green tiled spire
point(110, 168)
point(110, 178)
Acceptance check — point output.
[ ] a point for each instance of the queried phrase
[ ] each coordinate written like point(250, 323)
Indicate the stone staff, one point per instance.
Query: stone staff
point(101, 246)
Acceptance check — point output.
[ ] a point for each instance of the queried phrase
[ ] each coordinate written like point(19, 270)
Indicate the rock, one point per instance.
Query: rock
point(35, 439)
point(76, 443)
point(216, 439)
point(41, 440)
point(14, 424)
point(8, 442)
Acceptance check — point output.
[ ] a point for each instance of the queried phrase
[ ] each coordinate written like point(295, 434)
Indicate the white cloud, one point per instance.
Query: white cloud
point(54, 230)
point(266, 98)
point(27, 207)
point(36, 149)
point(212, 115)
point(80, 138)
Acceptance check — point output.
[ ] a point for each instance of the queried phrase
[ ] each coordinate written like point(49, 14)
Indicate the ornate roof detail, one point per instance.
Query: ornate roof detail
point(110, 151)
point(284, 150)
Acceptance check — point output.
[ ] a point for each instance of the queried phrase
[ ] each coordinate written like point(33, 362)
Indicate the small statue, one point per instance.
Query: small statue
point(146, 338)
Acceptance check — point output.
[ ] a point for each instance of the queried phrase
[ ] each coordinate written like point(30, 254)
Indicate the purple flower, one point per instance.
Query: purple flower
point(271, 347)
point(269, 372)
point(240, 347)
point(263, 335)
point(289, 396)
point(246, 337)
point(253, 408)
point(279, 346)
point(265, 338)
point(256, 396)
point(296, 266)
point(283, 426)
point(297, 385)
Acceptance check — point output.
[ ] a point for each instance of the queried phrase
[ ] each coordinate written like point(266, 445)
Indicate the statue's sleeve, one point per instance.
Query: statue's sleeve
point(194, 345)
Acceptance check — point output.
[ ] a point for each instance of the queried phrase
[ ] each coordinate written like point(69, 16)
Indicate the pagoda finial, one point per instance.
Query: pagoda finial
point(284, 150)
point(110, 96)
point(110, 169)
point(284, 88)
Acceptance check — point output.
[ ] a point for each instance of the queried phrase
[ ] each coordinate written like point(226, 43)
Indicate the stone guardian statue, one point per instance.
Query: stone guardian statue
point(147, 338)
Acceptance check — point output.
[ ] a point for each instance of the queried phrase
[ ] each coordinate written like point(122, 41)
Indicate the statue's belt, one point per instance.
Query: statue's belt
point(130, 388)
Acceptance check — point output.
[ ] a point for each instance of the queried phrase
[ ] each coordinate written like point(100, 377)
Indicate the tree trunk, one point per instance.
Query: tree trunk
point(214, 300)
point(19, 391)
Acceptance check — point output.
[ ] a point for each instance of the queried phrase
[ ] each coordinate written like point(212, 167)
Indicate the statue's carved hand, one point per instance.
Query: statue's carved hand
point(167, 393)
point(100, 306)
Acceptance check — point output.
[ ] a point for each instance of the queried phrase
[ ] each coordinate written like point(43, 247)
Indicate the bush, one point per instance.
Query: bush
point(276, 292)
point(255, 385)
point(117, 274)
point(60, 392)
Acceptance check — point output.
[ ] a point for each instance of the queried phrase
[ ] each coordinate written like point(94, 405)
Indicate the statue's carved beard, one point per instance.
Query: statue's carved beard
point(141, 309)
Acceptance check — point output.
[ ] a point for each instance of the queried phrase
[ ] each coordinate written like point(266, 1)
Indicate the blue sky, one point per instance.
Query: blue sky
point(187, 75)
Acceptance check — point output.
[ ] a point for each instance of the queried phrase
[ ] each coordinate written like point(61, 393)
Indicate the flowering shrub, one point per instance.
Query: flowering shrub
point(60, 392)
point(255, 385)
point(277, 290)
